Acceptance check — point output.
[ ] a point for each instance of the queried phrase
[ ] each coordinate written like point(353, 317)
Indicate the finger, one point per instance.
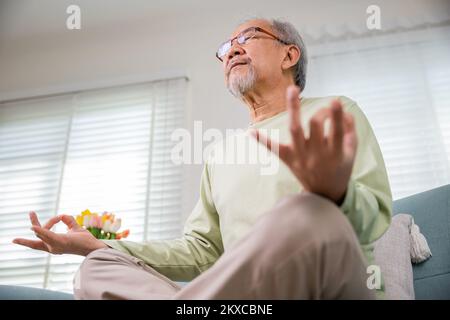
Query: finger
point(349, 122)
point(34, 219)
point(293, 106)
point(33, 244)
point(70, 221)
point(316, 125)
point(279, 149)
point(52, 221)
point(337, 126)
point(350, 141)
point(46, 235)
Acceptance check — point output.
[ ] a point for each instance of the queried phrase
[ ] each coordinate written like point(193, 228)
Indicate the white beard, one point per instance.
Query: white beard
point(238, 85)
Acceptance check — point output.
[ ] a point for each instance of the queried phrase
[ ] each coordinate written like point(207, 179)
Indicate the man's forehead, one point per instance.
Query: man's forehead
point(252, 23)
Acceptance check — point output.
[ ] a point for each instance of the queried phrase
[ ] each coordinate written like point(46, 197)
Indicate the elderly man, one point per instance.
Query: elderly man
point(303, 232)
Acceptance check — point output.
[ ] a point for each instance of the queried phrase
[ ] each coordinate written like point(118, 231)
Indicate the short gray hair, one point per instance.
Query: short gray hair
point(288, 33)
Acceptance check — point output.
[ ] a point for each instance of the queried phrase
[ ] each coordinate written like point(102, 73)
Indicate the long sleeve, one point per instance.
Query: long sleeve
point(184, 258)
point(368, 201)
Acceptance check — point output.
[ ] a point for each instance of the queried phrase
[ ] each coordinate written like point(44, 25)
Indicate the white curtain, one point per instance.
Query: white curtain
point(401, 81)
point(105, 150)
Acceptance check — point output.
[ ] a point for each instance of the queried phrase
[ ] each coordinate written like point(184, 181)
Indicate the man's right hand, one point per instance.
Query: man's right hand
point(77, 240)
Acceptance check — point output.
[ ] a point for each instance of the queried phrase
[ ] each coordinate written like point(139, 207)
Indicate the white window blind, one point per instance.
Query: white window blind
point(402, 83)
point(104, 149)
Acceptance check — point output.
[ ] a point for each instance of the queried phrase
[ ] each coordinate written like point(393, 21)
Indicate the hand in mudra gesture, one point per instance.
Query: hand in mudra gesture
point(322, 163)
point(77, 240)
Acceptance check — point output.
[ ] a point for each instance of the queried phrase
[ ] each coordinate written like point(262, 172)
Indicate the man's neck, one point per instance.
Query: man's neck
point(264, 103)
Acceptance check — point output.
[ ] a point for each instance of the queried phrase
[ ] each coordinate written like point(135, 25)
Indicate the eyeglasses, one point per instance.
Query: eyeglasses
point(242, 38)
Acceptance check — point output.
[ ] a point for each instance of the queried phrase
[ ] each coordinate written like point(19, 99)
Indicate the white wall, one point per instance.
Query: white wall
point(122, 42)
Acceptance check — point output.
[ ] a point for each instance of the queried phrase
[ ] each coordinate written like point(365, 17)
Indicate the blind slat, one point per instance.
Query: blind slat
point(403, 90)
point(88, 150)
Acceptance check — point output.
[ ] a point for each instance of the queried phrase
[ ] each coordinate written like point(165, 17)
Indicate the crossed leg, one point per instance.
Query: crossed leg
point(303, 248)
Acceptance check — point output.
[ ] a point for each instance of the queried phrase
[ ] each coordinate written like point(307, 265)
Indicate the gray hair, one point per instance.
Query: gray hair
point(288, 33)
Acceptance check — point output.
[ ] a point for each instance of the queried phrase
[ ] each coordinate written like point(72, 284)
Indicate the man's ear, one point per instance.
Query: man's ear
point(291, 57)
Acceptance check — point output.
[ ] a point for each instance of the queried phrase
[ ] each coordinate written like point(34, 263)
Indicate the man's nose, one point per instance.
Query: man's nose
point(235, 50)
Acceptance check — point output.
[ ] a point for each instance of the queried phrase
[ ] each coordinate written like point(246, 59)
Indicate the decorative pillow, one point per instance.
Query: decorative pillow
point(393, 253)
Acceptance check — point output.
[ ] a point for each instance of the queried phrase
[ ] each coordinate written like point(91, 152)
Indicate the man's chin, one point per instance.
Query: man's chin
point(237, 91)
point(236, 79)
point(239, 84)
point(236, 74)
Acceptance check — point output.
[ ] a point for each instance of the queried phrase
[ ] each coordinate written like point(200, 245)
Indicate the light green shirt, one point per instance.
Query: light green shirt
point(233, 196)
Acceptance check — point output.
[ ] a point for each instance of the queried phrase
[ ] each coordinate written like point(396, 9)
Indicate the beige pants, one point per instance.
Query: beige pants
point(303, 248)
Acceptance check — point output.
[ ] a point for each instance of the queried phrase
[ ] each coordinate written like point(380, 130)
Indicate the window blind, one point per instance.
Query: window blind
point(401, 82)
point(106, 150)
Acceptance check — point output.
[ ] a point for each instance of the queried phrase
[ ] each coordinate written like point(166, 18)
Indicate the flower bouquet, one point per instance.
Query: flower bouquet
point(102, 227)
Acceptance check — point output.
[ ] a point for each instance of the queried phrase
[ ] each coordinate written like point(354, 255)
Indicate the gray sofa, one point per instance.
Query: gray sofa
point(431, 211)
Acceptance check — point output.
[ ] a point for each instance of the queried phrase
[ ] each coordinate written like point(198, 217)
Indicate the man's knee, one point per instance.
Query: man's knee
point(309, 217)
point(93, 274)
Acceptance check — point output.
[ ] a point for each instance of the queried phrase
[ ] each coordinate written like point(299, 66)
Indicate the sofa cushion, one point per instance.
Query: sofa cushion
point(28, 293)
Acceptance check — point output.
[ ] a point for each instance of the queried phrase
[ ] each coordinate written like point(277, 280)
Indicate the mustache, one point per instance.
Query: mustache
point(238, 61)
